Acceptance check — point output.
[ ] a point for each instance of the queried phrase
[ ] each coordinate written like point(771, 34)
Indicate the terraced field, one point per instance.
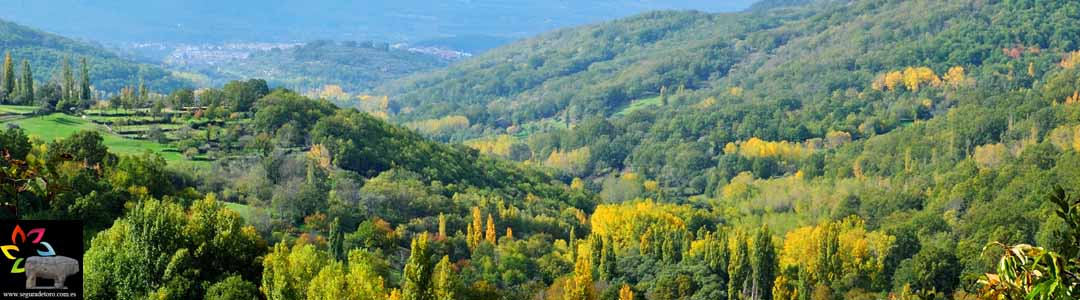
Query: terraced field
point(121, 139)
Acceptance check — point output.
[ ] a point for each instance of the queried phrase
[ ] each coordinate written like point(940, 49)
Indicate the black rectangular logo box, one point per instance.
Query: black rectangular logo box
point(41, 259)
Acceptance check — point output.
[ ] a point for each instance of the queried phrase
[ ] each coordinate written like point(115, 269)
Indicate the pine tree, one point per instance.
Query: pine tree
point(7, 84)
point(489, 234)
point(764, 263)
point(84, 83)
point(27, 83)
point(337, 240)
point(444, 282)
point(418, 270)
point(739, 267)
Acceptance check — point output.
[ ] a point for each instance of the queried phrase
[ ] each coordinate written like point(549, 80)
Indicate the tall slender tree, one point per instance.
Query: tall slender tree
point(27, 83)
point(764, 263)
point(607, 266)
point(84, 82)
point(143, 95)
point(489, 233)
point(442, 226)
point(739, 267)
point(67, 80)
point(7, 84)
point(418, 270)
point(579, 287)
point(444, 282)
point(337, 239)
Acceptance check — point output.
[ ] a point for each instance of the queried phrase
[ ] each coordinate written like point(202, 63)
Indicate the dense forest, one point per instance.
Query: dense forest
point(863, 149)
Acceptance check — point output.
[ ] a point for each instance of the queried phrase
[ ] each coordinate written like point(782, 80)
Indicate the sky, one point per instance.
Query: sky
point(118, 21)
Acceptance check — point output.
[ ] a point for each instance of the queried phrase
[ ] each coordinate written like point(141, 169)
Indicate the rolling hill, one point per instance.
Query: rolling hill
point(353, 66)
point(108, 72)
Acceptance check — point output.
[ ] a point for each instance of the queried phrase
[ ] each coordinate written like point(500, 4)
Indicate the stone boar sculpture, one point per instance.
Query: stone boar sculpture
point(57, 268)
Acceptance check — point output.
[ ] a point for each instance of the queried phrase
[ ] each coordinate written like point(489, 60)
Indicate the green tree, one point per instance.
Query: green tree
point(418, 270)
point(287, 272)
point(580, 285)
point(67, 81)
point(176, 251)
point(608, 263)
point(337, 240)
point(232, 288)
point(27, 83)
point(243, 94)
point(739, 268)
point(444, 281)
point(7, 82)
point(183, 98)
point(84, 146)
point(84, 83)
point(764, 263)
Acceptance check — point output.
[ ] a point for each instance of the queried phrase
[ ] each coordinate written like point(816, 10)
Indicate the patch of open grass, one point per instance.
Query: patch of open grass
point(16, 109)
point(639, 105)
point(58, 126)
point(243, 209)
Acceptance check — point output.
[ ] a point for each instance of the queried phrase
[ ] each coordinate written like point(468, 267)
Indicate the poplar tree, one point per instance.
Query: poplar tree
point(579, 286)
point(337, 243)
point(27, 83)
point(442, 226)
point(68, 81)
point(444, 281)
point(489, 234)
point(7, 85)
point(764, 263)
point(418, 270)
point(739, 267)
point(625, 293)
point(84, 82)
point(607, 260)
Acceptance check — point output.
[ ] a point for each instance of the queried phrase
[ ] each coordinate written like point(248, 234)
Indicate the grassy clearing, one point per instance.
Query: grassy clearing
point(16, 109)
point(58, 126)
point(639, 105)
point(243, 209)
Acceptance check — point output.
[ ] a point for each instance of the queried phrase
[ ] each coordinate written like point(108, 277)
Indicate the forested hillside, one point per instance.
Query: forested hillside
point(864, 149)
point(46, 51)
point(353, 66)
point(941, 124)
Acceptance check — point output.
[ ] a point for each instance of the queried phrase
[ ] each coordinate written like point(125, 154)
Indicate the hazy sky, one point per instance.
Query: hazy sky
point(303, 20)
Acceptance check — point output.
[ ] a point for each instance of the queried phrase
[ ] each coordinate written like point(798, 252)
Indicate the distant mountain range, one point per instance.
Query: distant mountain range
point(305, 20)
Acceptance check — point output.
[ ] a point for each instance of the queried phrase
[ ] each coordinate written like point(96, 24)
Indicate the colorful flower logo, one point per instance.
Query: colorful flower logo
point(21, 237)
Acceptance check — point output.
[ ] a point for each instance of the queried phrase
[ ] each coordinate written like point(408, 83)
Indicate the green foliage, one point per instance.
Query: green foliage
point(232, 288)
point(417, 281)
point(444, 280)
point(288, 271)
point(179, 253)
